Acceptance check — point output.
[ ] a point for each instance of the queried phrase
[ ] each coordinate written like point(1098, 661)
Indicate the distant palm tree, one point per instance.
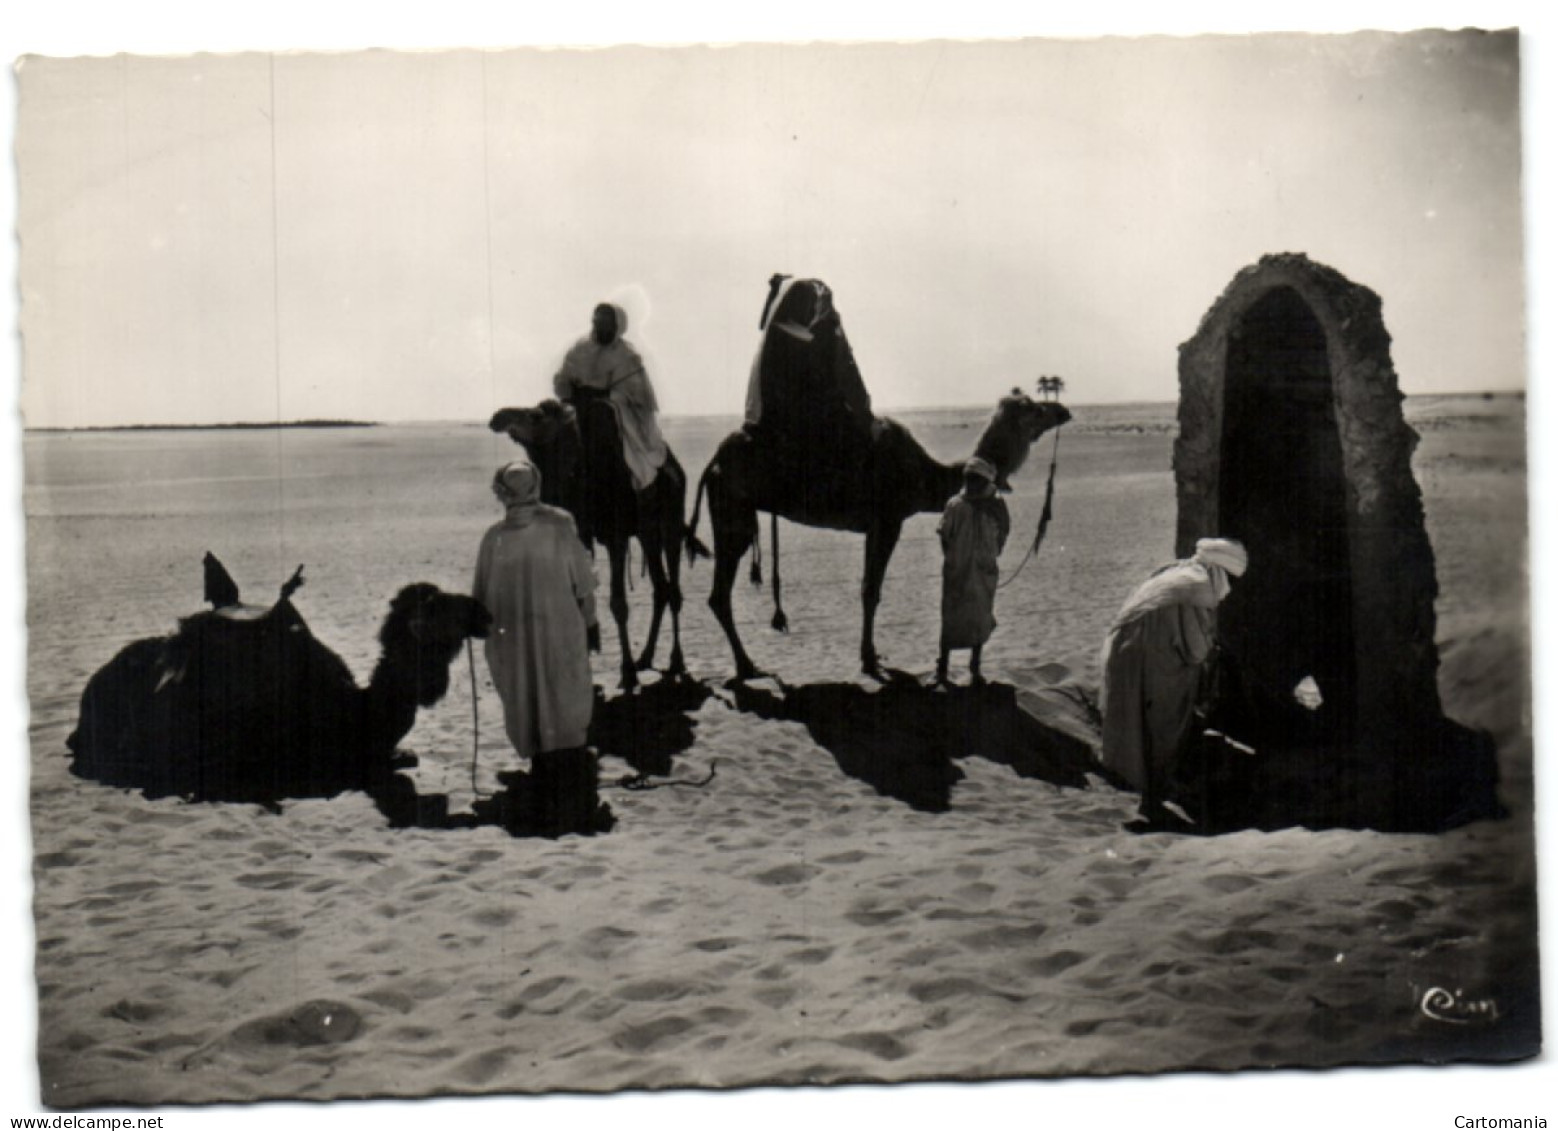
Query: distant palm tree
point(1046, 387)
point(1057, 385)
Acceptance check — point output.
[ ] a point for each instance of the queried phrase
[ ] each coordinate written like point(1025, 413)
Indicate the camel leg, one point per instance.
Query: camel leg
point(659, 587)
point(661, 580)
point(617, 552)
point(661, 528)
point(781, 622)
point(732, 536)
point(673, 590)
point(881, 541)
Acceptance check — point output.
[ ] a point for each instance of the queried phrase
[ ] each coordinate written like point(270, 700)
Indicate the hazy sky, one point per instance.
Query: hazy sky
point(420, 235)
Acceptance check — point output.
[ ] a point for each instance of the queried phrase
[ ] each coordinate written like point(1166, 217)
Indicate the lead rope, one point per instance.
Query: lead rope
point(470, 654)
point(1044, 518)
point(641, 782)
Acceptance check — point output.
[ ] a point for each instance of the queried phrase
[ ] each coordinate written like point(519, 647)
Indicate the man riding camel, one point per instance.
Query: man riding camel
point(805, 388)
point(604, 363)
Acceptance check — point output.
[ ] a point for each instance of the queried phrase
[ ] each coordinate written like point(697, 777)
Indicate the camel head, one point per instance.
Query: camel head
point(423, 633)
point(1019, 420)
point(533, 427)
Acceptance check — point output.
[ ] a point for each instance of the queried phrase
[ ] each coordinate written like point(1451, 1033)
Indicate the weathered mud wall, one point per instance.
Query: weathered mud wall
point(1292, 438)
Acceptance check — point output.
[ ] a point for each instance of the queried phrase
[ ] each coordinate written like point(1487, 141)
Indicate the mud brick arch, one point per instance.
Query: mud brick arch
point(1292, 439)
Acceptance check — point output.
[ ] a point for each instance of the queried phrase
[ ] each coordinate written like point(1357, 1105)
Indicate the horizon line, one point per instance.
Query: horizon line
point(257, 425)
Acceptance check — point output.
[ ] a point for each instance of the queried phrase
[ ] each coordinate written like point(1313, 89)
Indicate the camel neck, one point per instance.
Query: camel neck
point(399, 686)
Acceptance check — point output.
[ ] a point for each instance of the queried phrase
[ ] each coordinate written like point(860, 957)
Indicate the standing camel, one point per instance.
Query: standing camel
point(886, 484)
point(579, 455)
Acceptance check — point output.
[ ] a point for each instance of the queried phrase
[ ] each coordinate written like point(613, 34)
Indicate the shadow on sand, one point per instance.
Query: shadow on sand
point(1438, 776)
point(559, 793)
point(902, 738)
point(650, 726)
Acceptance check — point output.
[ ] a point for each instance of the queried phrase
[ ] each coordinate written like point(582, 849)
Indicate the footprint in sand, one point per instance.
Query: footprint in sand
point(390, 999)
point(787, 874)
point(940, 989)
point(812, 955)
point(484, 1067)
point(1226, 883)
point(603, 942)
point(1057, 963)
point(776, 997)
point(854, 856)
point(644, 1038)
point(224, 978)
point(1231, 942)
point(1009, 937)
point(659, 989)
point(56, 860)
point(358, 856)
point(883, 1046)
point(869, 913)
point(132, 887)
point(494, 917)
point(544, 988)
point(135, 1012)
point(310, 1025)
point(269, 881)
point(278, 929)
point(1396, 910)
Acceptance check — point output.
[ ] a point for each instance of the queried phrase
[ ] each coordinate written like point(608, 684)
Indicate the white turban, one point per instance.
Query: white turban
point(1224, 553)
point(980, 467)
point(520, 482)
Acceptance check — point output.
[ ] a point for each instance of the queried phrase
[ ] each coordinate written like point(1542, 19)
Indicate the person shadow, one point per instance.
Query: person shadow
point(646, 728)
point(905, 739)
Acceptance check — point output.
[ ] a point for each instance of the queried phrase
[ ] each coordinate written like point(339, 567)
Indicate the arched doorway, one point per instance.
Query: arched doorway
point(1292, 439)
point(1283, 488)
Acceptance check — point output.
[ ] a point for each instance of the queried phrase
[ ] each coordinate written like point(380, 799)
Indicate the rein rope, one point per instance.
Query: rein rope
point(640, 782)
point(1044, 518)
point(470, 654)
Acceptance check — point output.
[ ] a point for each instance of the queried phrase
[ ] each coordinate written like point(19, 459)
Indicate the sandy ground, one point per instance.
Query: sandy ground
point(865, 891)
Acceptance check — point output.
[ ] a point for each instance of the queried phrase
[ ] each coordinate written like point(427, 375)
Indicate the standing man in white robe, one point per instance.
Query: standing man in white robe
point(534, 577)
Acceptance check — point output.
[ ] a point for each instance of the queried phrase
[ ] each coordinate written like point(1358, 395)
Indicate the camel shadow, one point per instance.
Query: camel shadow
point(904, 739)
point(650, 726)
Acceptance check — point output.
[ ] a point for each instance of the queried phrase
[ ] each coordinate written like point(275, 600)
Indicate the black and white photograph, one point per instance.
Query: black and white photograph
point(839, 571)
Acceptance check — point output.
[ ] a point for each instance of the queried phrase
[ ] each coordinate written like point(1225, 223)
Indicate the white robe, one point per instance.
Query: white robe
point(534, 577)
point(1152, 662)
point(972, 538)
point(618, 371)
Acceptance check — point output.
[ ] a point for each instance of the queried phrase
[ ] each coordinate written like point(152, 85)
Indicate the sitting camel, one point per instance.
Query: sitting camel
point(582, 470)
point(243, 704)
point(870, 492)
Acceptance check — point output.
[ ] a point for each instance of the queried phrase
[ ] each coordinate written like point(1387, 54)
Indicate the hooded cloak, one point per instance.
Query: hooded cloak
point(534, 577)
point(804, 383)
point(1153, 657)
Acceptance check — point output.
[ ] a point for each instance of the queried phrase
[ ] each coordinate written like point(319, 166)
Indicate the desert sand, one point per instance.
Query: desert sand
point(873, 886)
